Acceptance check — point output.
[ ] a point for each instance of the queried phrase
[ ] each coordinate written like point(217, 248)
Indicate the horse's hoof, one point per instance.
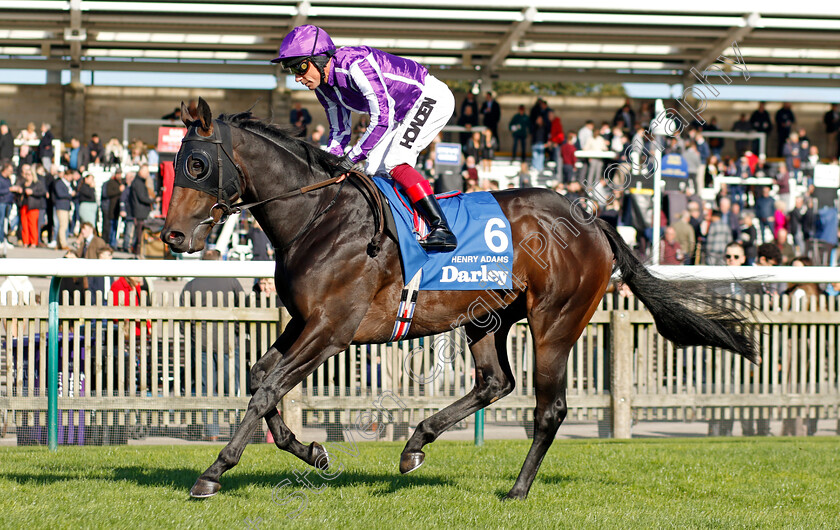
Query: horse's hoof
point(318, 456)
point(511, 496)
point(411, 461)
point(204, 488)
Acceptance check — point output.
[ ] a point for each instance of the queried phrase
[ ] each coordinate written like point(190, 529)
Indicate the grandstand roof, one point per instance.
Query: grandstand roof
point(588, 41)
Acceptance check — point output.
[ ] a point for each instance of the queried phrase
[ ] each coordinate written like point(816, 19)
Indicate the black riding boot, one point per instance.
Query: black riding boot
point(440, 238)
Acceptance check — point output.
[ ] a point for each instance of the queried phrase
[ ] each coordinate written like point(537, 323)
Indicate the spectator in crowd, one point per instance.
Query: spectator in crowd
point(489, 145)
point(585, 134)
point(626, 116)
point(728, 217)
point(692, 161)
point(110, 205)
point(539, 139)
point(300, 119)
point(715, 143)
point(745, 126)
point(790, 150)
point(470, 102)
point(718, 236)
point(702, 147)
point(670, 251)
point(114, 152)
point(760, 122)
point(86, 195)
point(470, 172)
point(536, 110)
point(598, 143)
point(95, 150)
point(101, 284)
point(7, 143)
point(801, 293)
point(262, 250)
point(748, 236)
point(468, 120)
point(519, 127)
point(524, 175)
point(645, 116)
point(473, 146)
point(801, 223)
point(7, 200)
point(568, 158)
point(779, 218)
point(784, 247)
point(556, 137)
point(88, 243)
point(684, 234)
point(62, 192)
point(319, 137)
point(45, 148)
point(127, 213)
point(31, 194)
point(138, 153)
point(832, 126)
point(76, 157)
point(491, 113)
point(28, 134)
point(765, 211)
point(141, 205)
point(784, 123)
point(213, 292)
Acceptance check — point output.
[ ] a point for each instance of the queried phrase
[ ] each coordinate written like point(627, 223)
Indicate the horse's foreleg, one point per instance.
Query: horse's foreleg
point(316, 343)
point(313, 454)
point(493, 381)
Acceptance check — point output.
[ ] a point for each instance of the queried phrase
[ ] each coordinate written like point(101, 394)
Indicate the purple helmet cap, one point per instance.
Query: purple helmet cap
point(305, 41)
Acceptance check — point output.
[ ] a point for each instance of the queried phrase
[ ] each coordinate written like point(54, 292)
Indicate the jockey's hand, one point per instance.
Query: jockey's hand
point(343, 166)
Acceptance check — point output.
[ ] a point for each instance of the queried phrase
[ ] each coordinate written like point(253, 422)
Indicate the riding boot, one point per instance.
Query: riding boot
point(440, 238)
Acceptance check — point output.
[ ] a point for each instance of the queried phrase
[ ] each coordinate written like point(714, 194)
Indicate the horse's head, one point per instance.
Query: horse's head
point(206, 181)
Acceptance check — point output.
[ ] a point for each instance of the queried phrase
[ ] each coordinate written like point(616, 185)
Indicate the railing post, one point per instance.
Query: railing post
point(479, 427)
point(52, 366)
point(621, 373)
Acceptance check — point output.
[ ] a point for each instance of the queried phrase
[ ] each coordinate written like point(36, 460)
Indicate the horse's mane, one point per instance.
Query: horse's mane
point(282, 136)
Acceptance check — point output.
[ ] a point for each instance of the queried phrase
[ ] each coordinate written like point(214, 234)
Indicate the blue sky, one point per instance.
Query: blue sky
point(751, 92)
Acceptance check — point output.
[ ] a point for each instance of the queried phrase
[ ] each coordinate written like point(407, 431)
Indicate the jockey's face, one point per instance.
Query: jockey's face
point(311, 79)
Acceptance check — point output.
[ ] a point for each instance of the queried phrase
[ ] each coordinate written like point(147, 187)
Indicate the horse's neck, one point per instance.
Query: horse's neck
point(284, 219)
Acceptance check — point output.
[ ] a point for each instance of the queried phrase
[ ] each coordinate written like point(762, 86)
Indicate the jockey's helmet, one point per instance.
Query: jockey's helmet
point(305, 43)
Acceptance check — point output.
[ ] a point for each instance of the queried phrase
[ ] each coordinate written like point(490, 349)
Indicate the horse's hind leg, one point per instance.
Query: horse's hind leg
point(554, 335)
point(550, 383)
point(314, 454)
point(493, 381)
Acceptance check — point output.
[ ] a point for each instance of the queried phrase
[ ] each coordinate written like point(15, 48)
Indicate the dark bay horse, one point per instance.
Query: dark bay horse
point(340, 293)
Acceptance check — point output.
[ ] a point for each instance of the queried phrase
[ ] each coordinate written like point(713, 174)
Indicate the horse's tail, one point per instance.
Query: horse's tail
point(684, 316)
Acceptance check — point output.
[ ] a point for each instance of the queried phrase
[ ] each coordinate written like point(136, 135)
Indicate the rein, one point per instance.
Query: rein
point(222, 210)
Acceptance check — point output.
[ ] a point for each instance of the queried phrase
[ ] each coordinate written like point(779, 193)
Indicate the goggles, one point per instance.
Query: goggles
point(299, 67)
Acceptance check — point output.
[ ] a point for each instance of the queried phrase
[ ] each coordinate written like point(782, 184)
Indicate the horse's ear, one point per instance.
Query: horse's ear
point(185, 115)
point(204, 115)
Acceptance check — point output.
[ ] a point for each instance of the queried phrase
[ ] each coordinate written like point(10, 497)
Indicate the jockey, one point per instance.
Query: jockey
point(407, 106)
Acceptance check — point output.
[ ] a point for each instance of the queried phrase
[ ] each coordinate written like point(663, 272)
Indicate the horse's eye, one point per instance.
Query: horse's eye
point(197, 166)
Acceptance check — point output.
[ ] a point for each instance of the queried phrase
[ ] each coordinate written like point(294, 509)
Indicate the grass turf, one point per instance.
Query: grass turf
point(708, 483)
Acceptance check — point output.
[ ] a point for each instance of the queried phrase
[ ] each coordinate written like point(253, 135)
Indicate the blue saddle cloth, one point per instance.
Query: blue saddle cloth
point(484, 256)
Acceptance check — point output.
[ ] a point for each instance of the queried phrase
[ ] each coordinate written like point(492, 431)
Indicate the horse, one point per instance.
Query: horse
point(341, 283)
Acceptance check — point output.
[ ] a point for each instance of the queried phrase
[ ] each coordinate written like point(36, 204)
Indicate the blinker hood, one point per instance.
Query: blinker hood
point(204, 163)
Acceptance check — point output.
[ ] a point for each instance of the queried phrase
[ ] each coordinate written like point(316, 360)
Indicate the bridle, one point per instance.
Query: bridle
point(230, 189)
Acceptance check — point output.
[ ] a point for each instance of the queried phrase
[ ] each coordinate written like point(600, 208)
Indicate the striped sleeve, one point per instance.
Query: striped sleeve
point(367, 75)
point(339, 120)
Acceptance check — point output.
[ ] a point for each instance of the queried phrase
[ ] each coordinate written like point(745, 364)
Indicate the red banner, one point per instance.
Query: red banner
point(169, 139)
